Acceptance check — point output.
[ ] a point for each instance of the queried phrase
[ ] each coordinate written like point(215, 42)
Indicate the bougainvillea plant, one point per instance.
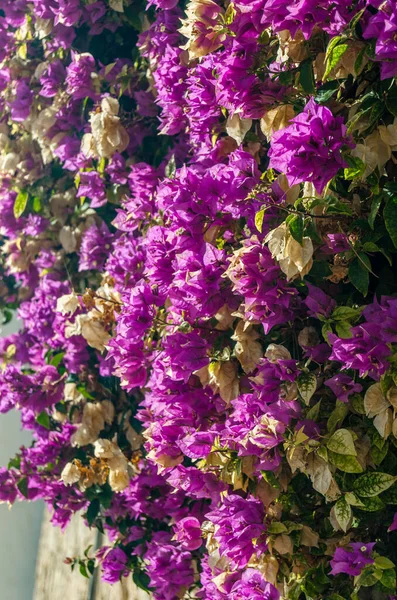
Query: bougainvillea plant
point(198, 220)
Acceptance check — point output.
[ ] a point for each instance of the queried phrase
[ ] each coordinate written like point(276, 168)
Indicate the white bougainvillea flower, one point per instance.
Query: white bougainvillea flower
point(108, 134)
point(276, 352)
point(202, 28)
point(247, 349)
point(237, 127)
point(70, 474)
point(91, 329)
point(294, 259)
point(381, 408)
point(276, 119)
point(94, 417)
point(67, 304)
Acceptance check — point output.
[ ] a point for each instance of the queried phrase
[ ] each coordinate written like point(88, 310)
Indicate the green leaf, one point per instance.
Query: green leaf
point(370, 247)
point(275, 528)
point(5, 316)
point(359, 60)
point(22, 485)
point(307, 384)
point(36, 204)
point(259, 219)
point(43, 419)
point(84, 392)
point(334, 42)
point(375, 206)
point(343, 330)
point(170, 168)
point(382, 562)
point(101, 165)
point(326, 91)
point(347, 464)
point(372, 504)
point(15, 462)
point(375, 113)
point(355, 20)
point(337, 416)
point(311, 232)
point(333, 58)
point(359, 276)
point(390, 218)
point(285, 77)
point(367, 578)
point(343, 514)
point(342, 442)
point(229, 18)
point(325, 330)
point(92, 511)
point(387, 255)
point(61, 407)
point(388, 579)
point(292, 526)
point(306, 78)
point(57, 359)
point(390, 496)
point(20, 203)
point(83, 570)
point(296, 225)
point(357, 403)
point(271, 479)
point(314, 412)
point(352, 123)
point(141, 580)
point(391, 101)
point(337, 207)
point(353, 499)
point(91, 566)
point(379, 454)
point(390, 188)
point(374, 483)
point(356, 168)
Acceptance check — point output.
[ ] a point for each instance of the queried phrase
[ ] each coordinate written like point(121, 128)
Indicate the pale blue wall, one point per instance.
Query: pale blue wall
point(20, 526)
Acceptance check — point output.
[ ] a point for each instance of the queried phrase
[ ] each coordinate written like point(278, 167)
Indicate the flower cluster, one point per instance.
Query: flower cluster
point(198, 233)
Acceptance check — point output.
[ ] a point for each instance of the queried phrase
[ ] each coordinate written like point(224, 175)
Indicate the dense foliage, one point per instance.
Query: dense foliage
point(198, 220)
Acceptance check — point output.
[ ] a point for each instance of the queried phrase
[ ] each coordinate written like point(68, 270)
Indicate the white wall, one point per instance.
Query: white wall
point(20, 525)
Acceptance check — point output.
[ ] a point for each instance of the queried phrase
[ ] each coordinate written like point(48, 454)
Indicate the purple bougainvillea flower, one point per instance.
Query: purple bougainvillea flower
point(352, 559)
point(336, 243)
point(363, 351)
point(343, 386)
point(8, 486)
point(318, 302)
point(310, 149)
point(393, 525)
point(169, 566)
point(382, 26)
point(79, 76)
point(253, 585)
point(239, 528)
point(20, 106)
point(114, 565)
point(188, 533)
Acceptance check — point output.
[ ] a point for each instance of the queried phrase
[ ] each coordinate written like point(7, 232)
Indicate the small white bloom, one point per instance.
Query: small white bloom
point(70, 474)
point(67, 304)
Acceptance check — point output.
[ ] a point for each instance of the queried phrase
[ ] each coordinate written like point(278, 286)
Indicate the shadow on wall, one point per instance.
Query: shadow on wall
point(19, 526)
